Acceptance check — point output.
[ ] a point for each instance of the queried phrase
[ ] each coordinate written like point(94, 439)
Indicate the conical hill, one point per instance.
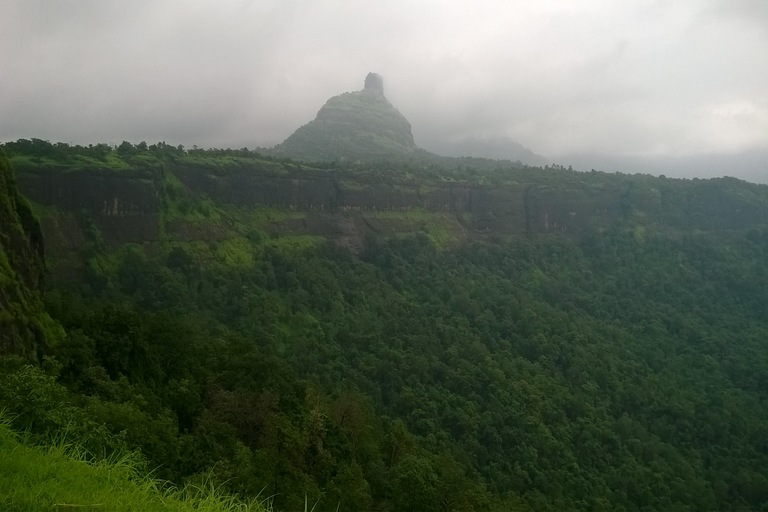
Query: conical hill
point(352, 126)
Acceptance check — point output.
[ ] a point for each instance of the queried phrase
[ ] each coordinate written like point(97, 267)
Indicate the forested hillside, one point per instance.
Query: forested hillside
point(25, 328)
point(518, 339)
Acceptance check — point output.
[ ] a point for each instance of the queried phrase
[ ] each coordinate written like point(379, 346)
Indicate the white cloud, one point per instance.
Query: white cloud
point(638, 76)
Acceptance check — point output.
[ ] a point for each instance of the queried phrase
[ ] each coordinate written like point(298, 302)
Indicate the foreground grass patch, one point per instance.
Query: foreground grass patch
point(59, 477)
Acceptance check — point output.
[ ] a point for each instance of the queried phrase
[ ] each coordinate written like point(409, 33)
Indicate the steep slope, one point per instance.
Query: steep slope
point(22, 320)
point(351, 126)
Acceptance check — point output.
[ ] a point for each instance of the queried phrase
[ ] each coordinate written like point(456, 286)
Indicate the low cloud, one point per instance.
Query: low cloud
point(638, 77)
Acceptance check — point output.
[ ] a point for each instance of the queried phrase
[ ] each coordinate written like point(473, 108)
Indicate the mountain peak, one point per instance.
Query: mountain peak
point(374, 82)
point(353, 126)
point(364, 125)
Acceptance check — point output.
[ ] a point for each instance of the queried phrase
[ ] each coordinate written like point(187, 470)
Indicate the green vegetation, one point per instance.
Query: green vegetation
point(533, 370)
point(619, 364)
point(25, 328)
point(440, 227)
point(352, 126)
point(140, 160)
point(62, 477)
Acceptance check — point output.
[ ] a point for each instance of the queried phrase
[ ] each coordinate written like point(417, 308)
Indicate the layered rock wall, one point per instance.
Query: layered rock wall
point(125, 209)
point(336, 204)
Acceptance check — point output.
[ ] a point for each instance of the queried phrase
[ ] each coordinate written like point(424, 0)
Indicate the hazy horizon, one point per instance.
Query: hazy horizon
point(680, 87)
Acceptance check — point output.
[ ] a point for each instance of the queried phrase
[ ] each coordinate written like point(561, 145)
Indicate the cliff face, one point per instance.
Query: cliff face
point(22, 268)
point(125, 208)
point(227, 203)
point(347, 206)
point(532, 203)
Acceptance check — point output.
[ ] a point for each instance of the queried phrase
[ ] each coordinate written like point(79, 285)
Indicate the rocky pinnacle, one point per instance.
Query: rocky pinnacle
point(374, 82)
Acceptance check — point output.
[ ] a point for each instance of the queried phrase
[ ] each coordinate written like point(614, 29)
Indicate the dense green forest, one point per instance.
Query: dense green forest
point(622, 368)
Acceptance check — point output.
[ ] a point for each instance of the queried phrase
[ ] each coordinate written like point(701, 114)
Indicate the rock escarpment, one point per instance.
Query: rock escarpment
point(126, 208)
point(162, 195)
point(344, 205)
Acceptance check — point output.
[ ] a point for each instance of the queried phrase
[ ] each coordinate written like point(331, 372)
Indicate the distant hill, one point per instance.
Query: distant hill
point(365, 126)
point(750, 165)
point(352, 126)
point(496, 148)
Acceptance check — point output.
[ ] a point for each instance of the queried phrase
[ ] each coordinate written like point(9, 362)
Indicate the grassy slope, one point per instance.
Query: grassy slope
point(59, 478)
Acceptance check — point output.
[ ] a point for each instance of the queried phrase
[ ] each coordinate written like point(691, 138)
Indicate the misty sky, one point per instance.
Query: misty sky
point(647, 78)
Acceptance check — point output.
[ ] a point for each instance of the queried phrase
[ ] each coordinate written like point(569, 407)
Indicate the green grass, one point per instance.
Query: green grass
point(20, 161)
point(71, 163)
point(295, 242)
point(236, 252)
point(412, 215)
point(59, 477)
point(260, 216)
point(440, 227)
point(42, 211)
point(245, 251)
point(225, 163)
point(179, 205)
